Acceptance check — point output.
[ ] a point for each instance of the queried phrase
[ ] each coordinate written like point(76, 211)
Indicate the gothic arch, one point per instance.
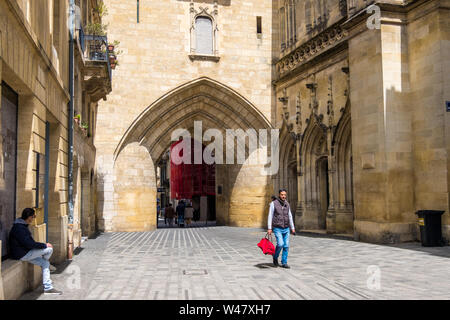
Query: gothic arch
point(342, 145)
point(213, 100)
point(313, 152)
point(217, 107)
point(287, 177)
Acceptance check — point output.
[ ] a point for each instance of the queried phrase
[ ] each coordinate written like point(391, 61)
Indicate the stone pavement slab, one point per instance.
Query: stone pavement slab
point(224, 263)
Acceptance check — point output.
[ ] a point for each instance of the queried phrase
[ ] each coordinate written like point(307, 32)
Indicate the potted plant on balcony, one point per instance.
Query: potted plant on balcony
point(112, 58)
point(113, 53)
point(112, 46)
point(96, 29)
point(114, 64)
point(84, 127)
point(77, 119)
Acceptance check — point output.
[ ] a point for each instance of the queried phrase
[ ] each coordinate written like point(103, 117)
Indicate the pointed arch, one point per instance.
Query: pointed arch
point(314, 140)
point(149, 136)
point(212, 99)
point(342, 144)
point(287, 177)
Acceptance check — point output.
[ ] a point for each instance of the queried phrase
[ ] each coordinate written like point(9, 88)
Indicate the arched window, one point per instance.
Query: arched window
point(283, 28)
point(288, 23)
point(204, 35)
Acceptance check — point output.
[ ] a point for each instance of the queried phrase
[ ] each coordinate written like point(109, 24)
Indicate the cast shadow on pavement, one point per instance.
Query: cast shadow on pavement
point(265, 265)
point(38, 292)
point(443, 251)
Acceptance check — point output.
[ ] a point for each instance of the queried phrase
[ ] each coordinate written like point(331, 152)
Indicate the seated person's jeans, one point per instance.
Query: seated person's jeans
point(41, 257)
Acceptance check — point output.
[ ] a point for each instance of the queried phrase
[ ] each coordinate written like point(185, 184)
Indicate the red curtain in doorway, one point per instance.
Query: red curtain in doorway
point(188, 180)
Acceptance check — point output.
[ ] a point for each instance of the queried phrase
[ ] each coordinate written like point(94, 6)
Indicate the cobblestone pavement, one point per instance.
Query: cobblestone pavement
point(225, 263)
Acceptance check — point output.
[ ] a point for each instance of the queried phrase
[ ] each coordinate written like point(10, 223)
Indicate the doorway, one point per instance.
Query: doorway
point(191, 185)
point(323, 191)
point(8, 163)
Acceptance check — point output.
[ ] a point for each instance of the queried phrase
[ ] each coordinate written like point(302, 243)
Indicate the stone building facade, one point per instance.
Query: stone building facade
point(167, 79)
point(362, 91)
point(357, 91)
point(34, 76)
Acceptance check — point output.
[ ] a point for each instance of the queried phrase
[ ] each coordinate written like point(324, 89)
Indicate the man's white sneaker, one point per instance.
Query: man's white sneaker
point(53, 292)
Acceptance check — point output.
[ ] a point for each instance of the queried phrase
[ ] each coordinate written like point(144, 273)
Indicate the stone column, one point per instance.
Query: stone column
point(331, 213)
point(381, 136)
point(85, 204)
point(29, 140)
point(298, 210)
point(57, 217)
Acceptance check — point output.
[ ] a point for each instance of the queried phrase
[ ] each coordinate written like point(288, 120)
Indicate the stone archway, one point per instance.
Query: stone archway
point(342, 144)
point(287, 177)
point(314, 164)
point(245, 190)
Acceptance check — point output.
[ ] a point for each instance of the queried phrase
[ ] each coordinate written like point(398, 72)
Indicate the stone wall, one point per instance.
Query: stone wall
point(428, 42)
point(31, 68)
point(399, 126)
point(134, 191)
point(157, 59)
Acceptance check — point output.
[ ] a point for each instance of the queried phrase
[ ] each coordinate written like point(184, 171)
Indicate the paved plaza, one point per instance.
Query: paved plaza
point(224, 263)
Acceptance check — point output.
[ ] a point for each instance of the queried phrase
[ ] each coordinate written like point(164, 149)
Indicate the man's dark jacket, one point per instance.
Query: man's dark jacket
point(180, 210)
point(281, 214)
point(21, 241)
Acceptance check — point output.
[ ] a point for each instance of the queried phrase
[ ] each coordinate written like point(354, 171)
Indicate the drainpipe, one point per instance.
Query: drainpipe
point(70, 124)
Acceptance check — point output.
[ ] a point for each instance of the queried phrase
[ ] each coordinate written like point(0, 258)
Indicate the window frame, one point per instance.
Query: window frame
point(197, 34)
point(194, 14)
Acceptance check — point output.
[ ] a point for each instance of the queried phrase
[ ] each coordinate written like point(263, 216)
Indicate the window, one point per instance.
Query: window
point(204, 35)
point(259, 25)
point(85, 12)
point(282, 29)
point(137, 11)
point(292, 23)
point(56, 24)
point(288, 23)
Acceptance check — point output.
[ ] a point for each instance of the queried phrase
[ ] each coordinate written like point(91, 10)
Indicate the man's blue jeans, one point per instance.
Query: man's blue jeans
point(282, 236)
point(40, 258)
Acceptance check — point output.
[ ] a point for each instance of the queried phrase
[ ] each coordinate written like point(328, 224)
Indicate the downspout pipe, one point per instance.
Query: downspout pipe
point(70, 125)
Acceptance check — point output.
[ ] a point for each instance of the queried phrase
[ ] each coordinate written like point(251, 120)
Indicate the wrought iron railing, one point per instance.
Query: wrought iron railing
point(95, 48)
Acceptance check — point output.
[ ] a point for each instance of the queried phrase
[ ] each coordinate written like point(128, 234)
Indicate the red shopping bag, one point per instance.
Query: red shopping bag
point(267, 246)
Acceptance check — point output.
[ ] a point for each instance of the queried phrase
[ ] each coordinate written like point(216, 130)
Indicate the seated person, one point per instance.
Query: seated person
point(24, 248)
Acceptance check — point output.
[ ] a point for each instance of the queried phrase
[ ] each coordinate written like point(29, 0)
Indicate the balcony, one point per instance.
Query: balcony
point(96, 66)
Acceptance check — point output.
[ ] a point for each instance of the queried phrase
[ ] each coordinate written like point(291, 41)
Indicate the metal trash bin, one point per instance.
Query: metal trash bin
point(430, 227)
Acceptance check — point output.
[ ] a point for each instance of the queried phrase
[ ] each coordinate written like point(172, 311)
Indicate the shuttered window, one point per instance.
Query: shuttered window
point(204, 35)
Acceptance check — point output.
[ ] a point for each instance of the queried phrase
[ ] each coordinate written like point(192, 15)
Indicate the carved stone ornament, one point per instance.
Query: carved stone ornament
point(311, 48)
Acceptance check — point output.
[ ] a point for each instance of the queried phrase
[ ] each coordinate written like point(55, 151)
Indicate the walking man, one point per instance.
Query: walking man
point(169, 214)
point(180, 213)
point(280, 222)
point(24, 248)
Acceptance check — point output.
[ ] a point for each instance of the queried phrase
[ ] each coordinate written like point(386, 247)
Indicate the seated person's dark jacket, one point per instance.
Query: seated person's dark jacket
point(21, 241)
